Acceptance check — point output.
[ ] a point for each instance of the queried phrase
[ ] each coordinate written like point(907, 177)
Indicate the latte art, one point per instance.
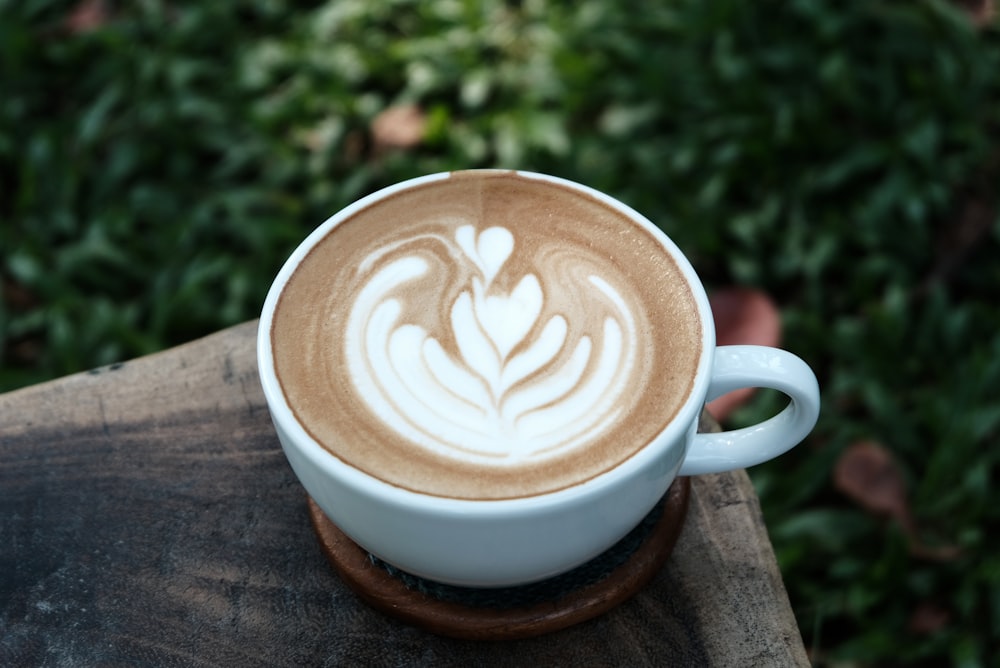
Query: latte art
point(514, 388)
point(485, 336)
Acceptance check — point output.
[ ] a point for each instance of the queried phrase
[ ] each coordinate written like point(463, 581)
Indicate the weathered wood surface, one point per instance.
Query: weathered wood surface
point(148, 517)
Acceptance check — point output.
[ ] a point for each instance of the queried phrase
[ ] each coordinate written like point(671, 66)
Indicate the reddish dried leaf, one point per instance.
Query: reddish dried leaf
point(980, 11)
point(25, 351)
point(929, 618)
point(399, 127)
point(87, 15)
point(16, 296)
point(933, 552)
point(867, 473)
point(742, 316)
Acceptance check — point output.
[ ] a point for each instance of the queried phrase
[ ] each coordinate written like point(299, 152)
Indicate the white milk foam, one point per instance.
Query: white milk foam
point(506, 396)
point(486, 336)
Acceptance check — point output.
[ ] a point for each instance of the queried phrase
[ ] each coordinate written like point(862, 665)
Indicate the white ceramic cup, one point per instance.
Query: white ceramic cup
point(515, 541)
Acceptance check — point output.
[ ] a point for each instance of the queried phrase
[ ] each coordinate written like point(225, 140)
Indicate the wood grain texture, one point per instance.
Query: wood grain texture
point(148, 516)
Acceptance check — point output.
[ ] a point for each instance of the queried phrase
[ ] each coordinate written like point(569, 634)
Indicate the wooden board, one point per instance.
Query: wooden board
point(148, 516)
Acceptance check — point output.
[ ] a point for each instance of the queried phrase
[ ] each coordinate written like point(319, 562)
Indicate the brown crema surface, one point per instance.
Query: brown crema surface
point(562, 237)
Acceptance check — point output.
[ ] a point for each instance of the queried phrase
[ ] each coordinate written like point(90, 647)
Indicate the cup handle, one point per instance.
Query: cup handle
point(737, 367)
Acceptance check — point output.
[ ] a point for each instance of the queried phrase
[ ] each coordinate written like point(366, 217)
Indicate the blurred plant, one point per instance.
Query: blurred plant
point(133, 214)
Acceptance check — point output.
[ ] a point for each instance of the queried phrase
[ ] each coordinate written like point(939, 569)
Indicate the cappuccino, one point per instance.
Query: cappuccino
point(487, 335)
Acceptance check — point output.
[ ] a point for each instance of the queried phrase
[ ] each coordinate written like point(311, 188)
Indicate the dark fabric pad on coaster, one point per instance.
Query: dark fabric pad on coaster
point(511, 612)
point(533, 593)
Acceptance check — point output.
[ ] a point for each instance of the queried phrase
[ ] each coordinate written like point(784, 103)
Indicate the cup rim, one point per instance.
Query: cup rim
point(672, 435)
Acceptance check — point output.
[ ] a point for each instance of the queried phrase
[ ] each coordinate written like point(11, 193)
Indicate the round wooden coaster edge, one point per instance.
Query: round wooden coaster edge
point(386, 593)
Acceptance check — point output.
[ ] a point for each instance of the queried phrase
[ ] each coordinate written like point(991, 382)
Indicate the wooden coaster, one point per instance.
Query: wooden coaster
point(389, 594)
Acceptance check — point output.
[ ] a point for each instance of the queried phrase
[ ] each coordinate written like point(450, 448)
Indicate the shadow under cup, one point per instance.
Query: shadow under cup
point(490, 326)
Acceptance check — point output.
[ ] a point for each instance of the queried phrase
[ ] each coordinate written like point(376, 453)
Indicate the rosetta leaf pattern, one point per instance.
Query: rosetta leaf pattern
point(514, 387)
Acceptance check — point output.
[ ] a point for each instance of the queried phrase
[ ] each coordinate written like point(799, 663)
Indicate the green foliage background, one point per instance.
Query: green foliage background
point(843, 156)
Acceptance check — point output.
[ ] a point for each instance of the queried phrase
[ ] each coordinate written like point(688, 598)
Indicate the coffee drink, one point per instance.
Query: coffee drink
point(487, 335)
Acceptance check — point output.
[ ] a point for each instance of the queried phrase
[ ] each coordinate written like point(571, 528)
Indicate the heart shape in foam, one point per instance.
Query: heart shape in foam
point(489, 251)
point(507, 319)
